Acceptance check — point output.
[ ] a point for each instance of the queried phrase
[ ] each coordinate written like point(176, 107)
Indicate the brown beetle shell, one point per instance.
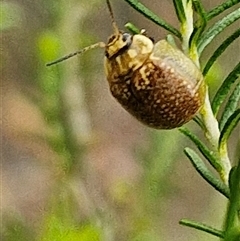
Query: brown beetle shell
point(157, 84)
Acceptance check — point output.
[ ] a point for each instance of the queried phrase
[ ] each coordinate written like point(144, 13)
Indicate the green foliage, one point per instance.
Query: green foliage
point(231, 106)
point(221, 8)
point(228, 127)
point(224, 88)
point(153, 17)
point(202, 169)
point(232, 231)
point(14, 228)
point(196, 36)
point(206, 152)
point(220, 50)
point(48, 46)
point(202, 227)
point(59, 222)
point(217, 28)
point(179, 10)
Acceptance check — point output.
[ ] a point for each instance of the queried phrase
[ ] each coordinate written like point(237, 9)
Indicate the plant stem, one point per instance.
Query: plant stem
point(232, 223)
point(212, 134)
point(187, 25)
point(225, 163)
point(212, 130)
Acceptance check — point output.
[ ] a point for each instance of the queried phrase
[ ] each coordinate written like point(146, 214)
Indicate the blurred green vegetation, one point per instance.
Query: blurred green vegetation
point(111, 177)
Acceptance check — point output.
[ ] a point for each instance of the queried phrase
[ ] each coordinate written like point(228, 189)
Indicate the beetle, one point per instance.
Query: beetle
point(155, 82)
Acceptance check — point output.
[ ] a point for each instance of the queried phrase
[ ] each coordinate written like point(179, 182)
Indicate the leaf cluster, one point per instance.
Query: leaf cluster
point(197, 32)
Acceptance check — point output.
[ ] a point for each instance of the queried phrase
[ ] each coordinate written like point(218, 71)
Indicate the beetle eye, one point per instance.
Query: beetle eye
point(127, 38)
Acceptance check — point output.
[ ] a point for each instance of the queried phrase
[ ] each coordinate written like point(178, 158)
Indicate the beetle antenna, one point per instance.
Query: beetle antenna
point(114, 24)
point(93, 46)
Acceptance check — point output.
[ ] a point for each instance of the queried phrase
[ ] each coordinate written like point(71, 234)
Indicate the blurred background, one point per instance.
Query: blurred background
point(75, 165)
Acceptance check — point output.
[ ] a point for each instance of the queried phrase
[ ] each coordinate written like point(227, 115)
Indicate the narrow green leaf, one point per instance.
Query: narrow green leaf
point(222, 92)
point(232, 178)
point(199, 9)
point(222, 7)
point(228, 127)
point(205, 172)
point(208, 154)
point(232, 219)
point(199, 121)
point(230, 106)
point(220, 50)
point(178, 5)
point(153, 17)
point(217, 28)
point(132, 28)
point(202, 227)
point(200, 24)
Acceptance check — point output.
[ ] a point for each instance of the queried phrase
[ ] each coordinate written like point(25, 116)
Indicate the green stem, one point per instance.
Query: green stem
point(187, 26)
point(226, 164)
point(232, 223)
point(202, 227)
point(199, 27)
point(212, 133)
point(212, 130)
